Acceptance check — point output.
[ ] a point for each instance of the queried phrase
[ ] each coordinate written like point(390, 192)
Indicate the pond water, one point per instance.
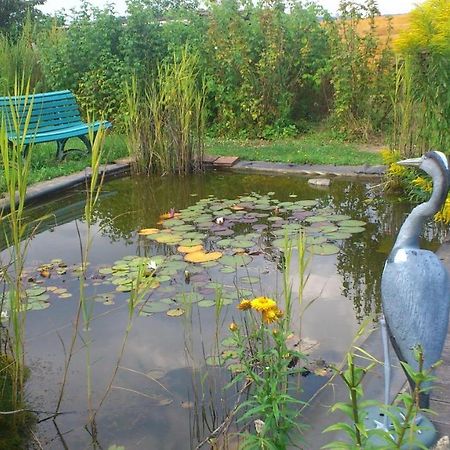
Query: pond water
point(163, 395)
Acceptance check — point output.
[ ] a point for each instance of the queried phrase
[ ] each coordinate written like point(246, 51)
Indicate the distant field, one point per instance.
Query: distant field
point(399, 22)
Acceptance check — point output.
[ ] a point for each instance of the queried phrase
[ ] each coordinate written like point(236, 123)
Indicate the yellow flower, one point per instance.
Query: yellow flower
point(422, 183)
point(263, 304)
point(244, 305)
point(269, 316)
point(396, 169)
point(233, 326)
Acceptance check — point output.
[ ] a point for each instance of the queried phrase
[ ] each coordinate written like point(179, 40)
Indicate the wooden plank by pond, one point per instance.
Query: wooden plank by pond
point(440, 396)
point(226, 161)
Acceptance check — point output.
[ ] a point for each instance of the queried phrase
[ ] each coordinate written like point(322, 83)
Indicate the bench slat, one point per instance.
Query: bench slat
point(55, 135)
point(44, 97)
point(55, 116)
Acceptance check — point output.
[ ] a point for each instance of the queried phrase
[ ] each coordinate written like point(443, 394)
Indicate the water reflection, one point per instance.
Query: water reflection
point(186, 403)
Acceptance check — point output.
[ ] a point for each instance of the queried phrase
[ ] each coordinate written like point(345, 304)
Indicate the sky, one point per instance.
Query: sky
point(385, 6)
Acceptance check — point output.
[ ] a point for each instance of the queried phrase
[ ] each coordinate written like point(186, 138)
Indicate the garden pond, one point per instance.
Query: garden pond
point(205, 242)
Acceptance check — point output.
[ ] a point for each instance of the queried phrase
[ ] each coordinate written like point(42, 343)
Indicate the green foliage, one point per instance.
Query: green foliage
point(361, 70)
point(14, 13)
point(402, 414)
point(265, 366)
point(19, 57)
point(422, 99)
point(259, 62)
point(86, 58)
point(165, 118)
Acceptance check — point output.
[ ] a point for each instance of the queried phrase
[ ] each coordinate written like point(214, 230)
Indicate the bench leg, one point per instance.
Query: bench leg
point(87, 142)
point(60, 154)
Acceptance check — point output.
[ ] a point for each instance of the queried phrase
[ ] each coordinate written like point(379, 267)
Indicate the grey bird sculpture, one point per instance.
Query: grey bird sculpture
point(415, 289)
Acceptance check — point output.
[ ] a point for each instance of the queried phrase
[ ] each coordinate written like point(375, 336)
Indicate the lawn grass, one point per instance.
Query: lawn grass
point(44, 165)
point(317, 147)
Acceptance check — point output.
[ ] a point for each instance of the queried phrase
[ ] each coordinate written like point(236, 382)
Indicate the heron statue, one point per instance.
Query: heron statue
point(415, 294)
point(415, 290)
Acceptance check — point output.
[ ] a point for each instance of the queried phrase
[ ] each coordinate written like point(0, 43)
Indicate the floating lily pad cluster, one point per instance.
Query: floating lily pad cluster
point(209, 254)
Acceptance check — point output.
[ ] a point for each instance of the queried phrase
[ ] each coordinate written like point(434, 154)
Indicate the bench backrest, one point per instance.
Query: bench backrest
point(50, 111)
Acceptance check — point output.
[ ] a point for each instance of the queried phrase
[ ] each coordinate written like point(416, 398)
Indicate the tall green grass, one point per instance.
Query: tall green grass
point(15, 171)
point(165, 121)
point(19, 57)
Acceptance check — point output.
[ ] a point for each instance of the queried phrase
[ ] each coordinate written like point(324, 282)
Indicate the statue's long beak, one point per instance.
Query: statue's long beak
point(412, 162)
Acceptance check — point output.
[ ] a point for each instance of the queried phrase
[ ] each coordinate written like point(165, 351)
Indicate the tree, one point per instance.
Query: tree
point(14, 12)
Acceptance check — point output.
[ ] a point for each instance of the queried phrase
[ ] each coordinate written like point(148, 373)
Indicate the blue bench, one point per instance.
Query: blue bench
point(55, 117)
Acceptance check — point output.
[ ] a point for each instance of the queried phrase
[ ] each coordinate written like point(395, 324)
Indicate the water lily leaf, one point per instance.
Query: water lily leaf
point(338, 235)
point(352, 230)
point(337, 217)
point(314, 219)
point(201, 256)
point(242, 243)
point(225, 243)
point(105, 270)
point(65, 295)
point(307, 203)
point(351, 223)
point(176, 312)
point(182, 228)
point(124, 288)
point(172, 222)
point(39, 298)
point(188, 297)
point(206, 303)
point(328, 228)
point(191, 243)
point(155, 307)
point(148, 231)
point(39, 305)
point(169, 239)
point(274, 218)
point(281, 243)
point(324, 249)
point(316, 239)
point(60, 291)
point(35, 291)
point(189, 249)
point(228, 269)
point(236, 260)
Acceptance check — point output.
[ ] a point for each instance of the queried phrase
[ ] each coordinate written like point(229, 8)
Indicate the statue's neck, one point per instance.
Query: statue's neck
point(409, 234)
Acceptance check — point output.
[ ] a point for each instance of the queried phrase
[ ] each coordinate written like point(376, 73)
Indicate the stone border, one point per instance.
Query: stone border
point(311, 169)
point(57, 185)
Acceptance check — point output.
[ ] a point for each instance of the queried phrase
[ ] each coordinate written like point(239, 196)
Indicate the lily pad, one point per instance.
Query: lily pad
point(201, 256)
point(206, 303)
point(324, 249)
point(155, 307)
point(351, 223)
point(176, 312)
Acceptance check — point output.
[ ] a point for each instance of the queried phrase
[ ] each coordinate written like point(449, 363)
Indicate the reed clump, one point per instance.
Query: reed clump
point(165, 119)
point(421, 102)
point(19, 57)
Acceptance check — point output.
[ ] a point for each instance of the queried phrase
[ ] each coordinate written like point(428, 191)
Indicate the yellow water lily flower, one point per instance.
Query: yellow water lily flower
point(263, 304)
point(233, 326)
